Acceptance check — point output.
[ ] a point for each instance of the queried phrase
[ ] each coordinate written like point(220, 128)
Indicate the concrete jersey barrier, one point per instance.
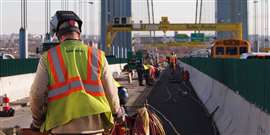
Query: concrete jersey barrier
point(235, 116)
point(18, 86)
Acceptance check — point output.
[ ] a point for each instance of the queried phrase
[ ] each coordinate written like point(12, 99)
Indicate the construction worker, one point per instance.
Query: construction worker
point(73, 91)
point(140, 71)
point(122, 93)
point(172, 60)
point(148, 74)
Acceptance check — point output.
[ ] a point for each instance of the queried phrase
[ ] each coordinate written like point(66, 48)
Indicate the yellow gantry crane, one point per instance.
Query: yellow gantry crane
point(165, 25)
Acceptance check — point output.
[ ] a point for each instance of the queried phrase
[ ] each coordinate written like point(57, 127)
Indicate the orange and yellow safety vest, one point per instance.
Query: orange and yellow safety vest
point(74, 88)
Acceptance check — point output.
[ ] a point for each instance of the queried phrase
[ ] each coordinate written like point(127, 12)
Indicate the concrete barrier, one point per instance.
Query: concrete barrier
point(18, 86)
point(235, 116)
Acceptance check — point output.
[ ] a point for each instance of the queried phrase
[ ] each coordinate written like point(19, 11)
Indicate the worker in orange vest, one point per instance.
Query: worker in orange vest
point(73, 91)
point(172, 60)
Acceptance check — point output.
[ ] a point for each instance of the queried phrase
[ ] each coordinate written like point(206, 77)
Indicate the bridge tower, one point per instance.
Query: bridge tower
point(109, 10)
point(232, 11)
point(23, 39)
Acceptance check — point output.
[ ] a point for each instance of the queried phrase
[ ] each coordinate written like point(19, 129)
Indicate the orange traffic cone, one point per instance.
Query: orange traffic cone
point(7, 111)
point(6, 101)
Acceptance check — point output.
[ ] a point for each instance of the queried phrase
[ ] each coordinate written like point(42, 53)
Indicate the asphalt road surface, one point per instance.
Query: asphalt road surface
point(178, 102)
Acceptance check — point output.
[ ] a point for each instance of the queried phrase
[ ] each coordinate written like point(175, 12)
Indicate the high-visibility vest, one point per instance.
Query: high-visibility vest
point(117, 84)
point(146, 67)
point(74, 88)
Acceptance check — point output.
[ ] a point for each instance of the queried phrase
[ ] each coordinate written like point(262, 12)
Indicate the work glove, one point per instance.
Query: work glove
point(120, 115)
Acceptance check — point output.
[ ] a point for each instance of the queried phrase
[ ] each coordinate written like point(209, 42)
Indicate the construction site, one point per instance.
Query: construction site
point(134, 67)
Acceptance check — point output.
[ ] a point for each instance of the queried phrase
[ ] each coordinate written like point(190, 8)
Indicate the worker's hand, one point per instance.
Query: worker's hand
point(120, 115)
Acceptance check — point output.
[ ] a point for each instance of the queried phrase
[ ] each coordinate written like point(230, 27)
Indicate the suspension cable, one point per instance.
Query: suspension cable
point(153, 16)
point(46, 16)
point(196, 14)
point(266, 42)
point(267, 22)
point(262, 25)
point(149, 20)
point(196, 11)
point(200, 17)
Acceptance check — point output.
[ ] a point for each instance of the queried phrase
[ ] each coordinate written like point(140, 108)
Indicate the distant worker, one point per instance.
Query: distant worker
point(149, 74)
point(140, 71)
point(172, 61)
point(152, 72)
point(73, 91)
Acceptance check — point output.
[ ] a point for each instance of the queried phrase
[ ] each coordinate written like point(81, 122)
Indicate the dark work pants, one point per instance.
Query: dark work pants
point(147, 76)
point(140, 76)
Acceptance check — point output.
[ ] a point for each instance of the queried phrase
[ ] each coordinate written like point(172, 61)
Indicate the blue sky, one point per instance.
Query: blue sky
point(177, 10)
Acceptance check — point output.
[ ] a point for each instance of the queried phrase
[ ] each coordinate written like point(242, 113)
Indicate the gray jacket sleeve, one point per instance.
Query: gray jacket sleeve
point(109, 87)
point(38, 94)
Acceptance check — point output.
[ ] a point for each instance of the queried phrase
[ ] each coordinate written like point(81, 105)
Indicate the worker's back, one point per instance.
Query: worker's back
point(73, 91)
point(75, 88)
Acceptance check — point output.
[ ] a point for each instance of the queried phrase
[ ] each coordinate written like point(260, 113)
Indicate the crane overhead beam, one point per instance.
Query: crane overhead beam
point(165, 26)
point(177, 44)
point(234, 27)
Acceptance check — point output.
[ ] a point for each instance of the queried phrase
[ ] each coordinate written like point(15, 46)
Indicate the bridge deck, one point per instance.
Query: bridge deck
point(174, 99)
point(178, 102)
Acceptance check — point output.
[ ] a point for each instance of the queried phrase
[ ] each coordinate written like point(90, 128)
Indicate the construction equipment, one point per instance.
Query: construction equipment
point(165, 26)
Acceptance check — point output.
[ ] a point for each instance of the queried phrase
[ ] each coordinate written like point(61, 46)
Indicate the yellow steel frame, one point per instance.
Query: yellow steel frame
point(165, 26)
point(265, 49)
point(177, 44)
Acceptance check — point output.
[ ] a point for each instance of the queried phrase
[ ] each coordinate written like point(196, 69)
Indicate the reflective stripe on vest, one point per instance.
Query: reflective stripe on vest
point(93, 62)
point(64, 86)
point(57, 64)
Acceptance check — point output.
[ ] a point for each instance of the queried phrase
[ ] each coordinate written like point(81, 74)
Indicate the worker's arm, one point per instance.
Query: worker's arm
point(38, 94)
point(110, 89)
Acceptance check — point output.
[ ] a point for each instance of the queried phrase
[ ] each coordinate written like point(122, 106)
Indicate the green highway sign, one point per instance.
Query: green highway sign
point(197, 37)
point(181, 38)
